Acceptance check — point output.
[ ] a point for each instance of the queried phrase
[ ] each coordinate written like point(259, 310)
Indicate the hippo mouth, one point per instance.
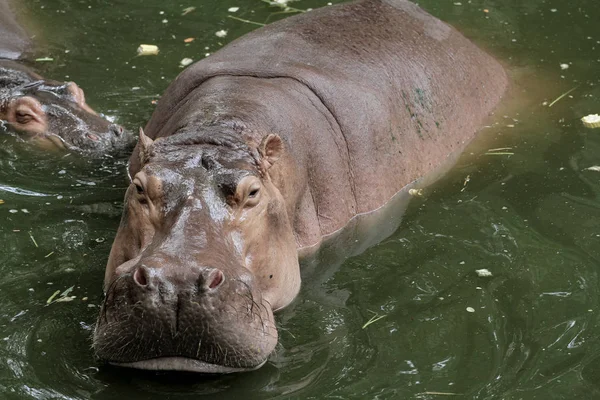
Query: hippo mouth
point(183, 364)
point(153, 324)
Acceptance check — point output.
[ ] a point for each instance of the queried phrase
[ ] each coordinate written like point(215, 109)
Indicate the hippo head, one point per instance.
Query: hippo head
point(204, 254)
point(55, 115)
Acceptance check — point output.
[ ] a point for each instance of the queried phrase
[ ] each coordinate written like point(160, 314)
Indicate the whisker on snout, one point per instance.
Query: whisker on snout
point(111, 287)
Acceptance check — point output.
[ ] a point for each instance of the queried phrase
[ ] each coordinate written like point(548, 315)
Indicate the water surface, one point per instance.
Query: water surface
point(529, 217)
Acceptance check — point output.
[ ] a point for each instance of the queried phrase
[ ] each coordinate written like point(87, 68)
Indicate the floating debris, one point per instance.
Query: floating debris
point(147, 50)
point(483, 272)
point(188, 10)
point(51, 298)
point(500, 151)
point(44, 59)
point(415, 192)
point(64, 296)
point(283, 4)
point(185, 62)
point(33, 239)
point(1, 201)
point(222, 33)
point(49, 254)
point(233, 9)
point(467, 180)
point(470, 309)
point(189, 40)
point(376, 317)
point(562, 95)
point(245, 20)
point(591, 121)
point(564, 66)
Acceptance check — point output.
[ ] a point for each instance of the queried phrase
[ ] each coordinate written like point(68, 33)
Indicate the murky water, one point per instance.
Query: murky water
point(530, 217)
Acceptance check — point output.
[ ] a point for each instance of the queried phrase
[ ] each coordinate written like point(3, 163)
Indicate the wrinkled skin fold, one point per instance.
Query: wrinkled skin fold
point(263, 149)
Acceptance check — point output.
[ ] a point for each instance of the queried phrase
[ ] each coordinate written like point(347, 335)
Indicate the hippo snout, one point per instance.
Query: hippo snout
point(174, 317)
point(201, 280)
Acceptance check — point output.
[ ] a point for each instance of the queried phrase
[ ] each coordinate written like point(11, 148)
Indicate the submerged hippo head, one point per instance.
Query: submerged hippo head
point(205, 253)
point(55, 115)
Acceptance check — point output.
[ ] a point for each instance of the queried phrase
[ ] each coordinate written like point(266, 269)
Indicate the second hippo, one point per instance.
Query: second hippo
point(48, 113)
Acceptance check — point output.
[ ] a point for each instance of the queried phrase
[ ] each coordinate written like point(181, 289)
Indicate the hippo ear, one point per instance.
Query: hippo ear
point(270, 150)
point(145, 146)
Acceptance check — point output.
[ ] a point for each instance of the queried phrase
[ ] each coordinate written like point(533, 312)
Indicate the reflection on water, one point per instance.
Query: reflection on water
point(530, 218)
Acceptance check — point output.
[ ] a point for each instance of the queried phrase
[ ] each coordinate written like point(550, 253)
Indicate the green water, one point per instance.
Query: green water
point(531, 218)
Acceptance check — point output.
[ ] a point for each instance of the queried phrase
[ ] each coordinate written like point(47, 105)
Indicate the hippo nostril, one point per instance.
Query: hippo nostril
point(93, 137)
point(140, 277)
point(117, 130)
point(215, 278)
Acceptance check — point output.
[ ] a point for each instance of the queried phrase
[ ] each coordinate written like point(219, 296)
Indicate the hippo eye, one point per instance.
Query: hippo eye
point(141, 195)
point(23, 117)
point(253, 196)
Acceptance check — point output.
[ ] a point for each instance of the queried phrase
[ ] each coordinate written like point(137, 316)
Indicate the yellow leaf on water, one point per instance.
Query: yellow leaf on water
point(52, 297)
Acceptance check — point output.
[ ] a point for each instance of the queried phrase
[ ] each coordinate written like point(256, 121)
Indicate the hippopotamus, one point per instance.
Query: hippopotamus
point(265, 149)
point(51, 114)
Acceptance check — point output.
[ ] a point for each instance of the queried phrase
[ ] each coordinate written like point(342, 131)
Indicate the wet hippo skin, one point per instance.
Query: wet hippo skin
point(263, 149)
point(48, 113)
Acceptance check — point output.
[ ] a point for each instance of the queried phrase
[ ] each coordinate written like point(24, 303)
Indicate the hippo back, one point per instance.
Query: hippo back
point(403, 91)
point(13, 39)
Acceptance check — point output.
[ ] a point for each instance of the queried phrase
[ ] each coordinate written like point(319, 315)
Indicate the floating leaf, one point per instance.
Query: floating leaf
point(65, 299)
point(188, 10)
point(66, 292)
point(376, 317)
point(561, 96)
point(33, 239)
point(52, 297)
point(245, 20)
